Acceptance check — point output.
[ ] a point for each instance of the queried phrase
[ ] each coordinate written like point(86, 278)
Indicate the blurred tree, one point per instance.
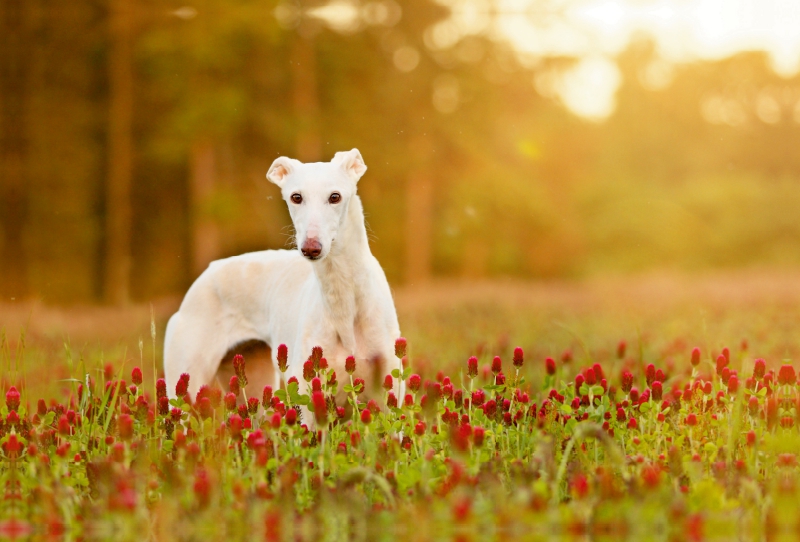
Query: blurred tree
point(474, 168)
point(65, 169)
point(202, 61)
point(681, 159)
point(15, 40)
point(305, 92)
point(120, 152)
point(419, 231)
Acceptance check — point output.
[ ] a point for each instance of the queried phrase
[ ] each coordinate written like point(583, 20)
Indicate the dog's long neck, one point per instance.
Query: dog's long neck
point(343, 275)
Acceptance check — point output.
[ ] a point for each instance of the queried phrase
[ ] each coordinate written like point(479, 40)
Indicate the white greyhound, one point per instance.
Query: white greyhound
point(331, 293)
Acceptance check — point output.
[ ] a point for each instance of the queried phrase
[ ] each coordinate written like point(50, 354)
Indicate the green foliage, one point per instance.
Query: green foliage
point(500, 454)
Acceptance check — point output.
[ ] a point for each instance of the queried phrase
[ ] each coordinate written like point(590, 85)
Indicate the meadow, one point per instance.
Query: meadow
point(661, 407)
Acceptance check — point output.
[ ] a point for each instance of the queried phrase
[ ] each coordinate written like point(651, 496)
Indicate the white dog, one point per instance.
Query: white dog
point(331, 293)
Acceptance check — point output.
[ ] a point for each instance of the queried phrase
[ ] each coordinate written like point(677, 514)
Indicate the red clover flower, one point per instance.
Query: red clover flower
point(627, 381)
point(722, 362)
point(650, 374)
point(182, 387)
point(366, 416)
point(359, 385)
point(759, 368)
point(283, 358)
point(695, 357)
point(350, 365)
point(316, 357)
point(320, 407)
point(472, 367)
point(518, 358)
point(497, 365)
point(787, 375)
point(400, 346)
point(239, 368)
point(657, 390)
point(308, 370)
point(136, 376)
point(233, 385)
point(12, 399)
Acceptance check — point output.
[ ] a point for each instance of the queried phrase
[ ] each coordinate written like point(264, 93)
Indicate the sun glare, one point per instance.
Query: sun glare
point(682, 30)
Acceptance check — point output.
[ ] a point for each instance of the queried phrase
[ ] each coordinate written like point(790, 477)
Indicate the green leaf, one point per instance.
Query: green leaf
point(597, 390)
point(584, 389)
point(395, 373)
point(645, 407)
point(571, 423)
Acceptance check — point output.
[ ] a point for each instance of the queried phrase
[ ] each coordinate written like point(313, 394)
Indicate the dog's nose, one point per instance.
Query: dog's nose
point(311, 249)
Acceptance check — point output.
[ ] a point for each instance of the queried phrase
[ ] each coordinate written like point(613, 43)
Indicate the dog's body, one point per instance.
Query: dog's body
point(334, 295)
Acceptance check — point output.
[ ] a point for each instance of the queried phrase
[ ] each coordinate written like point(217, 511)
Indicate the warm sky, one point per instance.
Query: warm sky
point(596, 31)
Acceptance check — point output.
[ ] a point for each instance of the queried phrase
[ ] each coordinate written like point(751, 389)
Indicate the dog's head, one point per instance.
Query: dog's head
point(318, 195)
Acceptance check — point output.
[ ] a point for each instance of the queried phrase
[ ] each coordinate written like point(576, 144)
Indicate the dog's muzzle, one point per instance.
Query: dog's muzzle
point(311, 249)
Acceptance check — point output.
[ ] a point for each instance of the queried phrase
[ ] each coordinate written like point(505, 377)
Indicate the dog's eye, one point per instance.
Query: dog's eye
point(335, 197)
point(297, 198)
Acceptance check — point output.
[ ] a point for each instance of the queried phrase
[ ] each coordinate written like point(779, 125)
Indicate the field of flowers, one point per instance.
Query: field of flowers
point(504, 449)
point(667, 435)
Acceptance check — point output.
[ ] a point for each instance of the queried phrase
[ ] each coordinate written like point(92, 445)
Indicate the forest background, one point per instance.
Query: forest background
point(503, 139)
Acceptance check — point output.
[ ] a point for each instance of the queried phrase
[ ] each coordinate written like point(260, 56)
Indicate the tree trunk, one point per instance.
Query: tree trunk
point(120, 155)
point(13, 147)
point(419, 228)
point(305, 99)
point(206, 237)
point(419, 211)
point(476, 259)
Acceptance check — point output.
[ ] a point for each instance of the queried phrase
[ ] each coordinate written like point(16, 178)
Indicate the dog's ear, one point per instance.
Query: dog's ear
point(280, 168)
point(351, 162)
